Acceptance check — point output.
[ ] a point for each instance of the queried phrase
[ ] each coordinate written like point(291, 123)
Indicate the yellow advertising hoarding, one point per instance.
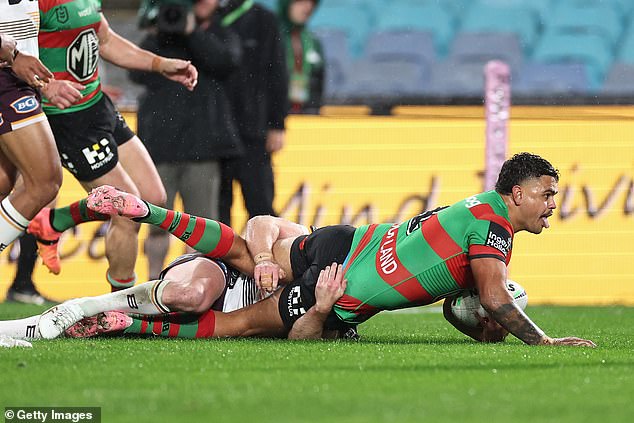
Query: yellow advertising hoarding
point(367, 169)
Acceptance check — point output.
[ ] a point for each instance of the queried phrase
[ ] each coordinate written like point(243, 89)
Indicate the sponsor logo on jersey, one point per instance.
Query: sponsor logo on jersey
point(386, 252)
point(61, 14)
point(472, 202)
point(294, 302)
point(25, 104)
point(2, 246)
point(99, 154)
point(82, 55)
point(1, 120)
point(68, 164)
point(499, 238)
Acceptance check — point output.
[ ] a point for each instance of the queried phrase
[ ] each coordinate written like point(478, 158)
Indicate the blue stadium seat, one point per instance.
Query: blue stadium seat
point(539, 8)
point(619, 80)
point(517, 19)
point(590, 49)
point(369, 79)
point(539, 79)
point(451, 79)
point(354, 21)
point(480, 47)
point(421, 17)
point(336, 57)
point(626, 50)
point(597, 18)
point(406, 46)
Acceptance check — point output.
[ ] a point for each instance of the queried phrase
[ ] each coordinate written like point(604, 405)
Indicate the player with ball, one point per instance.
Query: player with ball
point(377, 267)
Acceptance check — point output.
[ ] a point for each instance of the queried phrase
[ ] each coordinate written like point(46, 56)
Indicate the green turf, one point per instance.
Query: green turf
point(407, 368)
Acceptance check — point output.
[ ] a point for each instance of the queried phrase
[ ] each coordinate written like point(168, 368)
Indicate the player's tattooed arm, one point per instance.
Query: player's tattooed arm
point(513, 319)
point(490, 275)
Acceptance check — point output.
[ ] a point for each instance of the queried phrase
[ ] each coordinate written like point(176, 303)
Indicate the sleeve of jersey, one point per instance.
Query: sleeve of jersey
point(490, 239)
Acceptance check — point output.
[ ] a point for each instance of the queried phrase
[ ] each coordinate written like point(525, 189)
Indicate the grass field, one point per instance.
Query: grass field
point(407, 368)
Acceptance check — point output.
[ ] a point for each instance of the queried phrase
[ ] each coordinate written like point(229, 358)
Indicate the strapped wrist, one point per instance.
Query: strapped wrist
point(259, 258)
point(156, 64)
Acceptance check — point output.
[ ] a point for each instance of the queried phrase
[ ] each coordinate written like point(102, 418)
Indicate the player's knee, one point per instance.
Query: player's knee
point(44, 192)
point(156, 196)
point(196, 297)
point(125, 224)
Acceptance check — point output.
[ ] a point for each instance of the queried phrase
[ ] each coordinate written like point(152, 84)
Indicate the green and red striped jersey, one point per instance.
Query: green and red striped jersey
point(69, 47)
point(424, 259)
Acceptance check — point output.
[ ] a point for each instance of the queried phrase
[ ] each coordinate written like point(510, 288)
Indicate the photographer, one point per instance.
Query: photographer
point(187, 133)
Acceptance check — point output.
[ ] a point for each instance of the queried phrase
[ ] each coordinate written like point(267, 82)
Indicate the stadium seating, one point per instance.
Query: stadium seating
point(355, 22)
point(520, 20)
point(585, 18)
point(406, 46)
point(337, 58)
point(619, 80)
point(384, 79)
point(559, 47)
point(421, 17)
point(551, 79)
point(456, 79)
point(480, 47)
point(589, 49)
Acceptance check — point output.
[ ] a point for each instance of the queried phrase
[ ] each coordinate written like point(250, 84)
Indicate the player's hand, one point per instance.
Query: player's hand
point(330, 287)
point(177, 70)
point(274, 140)
point(29, 69)
point(7, 48)
point(492, 331)
point(570, 341)
point(267, 275)
point(62, 93)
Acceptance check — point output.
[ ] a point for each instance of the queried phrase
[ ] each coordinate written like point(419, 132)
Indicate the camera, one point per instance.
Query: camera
point(168, 16)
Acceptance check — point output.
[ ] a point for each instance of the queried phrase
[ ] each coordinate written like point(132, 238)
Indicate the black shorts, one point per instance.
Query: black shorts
point(20, 104)
point(310, 254)
point(87, 140)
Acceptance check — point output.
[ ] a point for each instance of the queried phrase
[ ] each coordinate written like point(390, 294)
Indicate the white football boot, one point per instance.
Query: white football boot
point(54, 321)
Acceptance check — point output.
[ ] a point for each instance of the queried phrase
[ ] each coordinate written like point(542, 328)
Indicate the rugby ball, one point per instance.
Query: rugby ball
point(465, 303)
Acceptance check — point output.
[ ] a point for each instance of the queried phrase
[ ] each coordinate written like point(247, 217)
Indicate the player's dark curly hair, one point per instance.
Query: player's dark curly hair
point(521, 167)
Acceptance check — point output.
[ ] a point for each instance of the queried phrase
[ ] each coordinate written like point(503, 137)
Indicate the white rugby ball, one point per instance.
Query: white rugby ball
point(465, 303)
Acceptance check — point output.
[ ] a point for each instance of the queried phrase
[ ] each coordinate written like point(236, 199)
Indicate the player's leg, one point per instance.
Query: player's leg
point(121, 238)
point(261, 319)
point(22, 147)
point(138, 164)
point(207, 236)
point(49, 224)
point(157, 243)
point(192, 285)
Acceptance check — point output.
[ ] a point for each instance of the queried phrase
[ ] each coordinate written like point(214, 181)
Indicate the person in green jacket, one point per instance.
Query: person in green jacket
point(304, 55)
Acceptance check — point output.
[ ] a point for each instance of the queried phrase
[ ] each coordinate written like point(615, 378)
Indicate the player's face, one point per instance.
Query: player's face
point(538, 203)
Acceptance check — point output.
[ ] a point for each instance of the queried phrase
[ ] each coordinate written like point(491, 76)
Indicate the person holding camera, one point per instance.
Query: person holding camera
point(188, 133)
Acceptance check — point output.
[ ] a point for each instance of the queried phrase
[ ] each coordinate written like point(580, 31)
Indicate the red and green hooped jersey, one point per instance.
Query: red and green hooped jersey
point(424, 259)
point(69, 47)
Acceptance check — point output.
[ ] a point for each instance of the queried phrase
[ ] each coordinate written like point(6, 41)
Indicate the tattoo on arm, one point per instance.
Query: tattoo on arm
point(516, 322)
